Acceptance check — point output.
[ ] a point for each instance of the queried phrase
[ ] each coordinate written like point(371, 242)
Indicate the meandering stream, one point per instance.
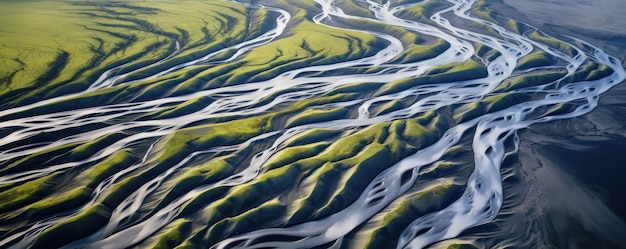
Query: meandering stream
point(491, 132)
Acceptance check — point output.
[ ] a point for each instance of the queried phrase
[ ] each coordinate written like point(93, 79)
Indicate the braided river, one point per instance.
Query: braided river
point(368, 150)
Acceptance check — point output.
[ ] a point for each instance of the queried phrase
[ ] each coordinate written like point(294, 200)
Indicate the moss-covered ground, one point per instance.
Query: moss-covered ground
point(190, 143)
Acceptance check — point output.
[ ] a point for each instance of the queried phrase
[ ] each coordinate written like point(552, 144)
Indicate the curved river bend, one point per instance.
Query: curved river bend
point(479, 111)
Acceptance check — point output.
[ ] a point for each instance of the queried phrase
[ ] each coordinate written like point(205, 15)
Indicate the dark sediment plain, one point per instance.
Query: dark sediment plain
point(307, 124)
point(568, 193)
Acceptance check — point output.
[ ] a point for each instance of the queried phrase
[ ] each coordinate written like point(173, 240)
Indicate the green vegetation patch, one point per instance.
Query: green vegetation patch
point(312, 136)
point(50, 48)
point(71, 229)
point(486, 53)
point(466, 70)
point(172, 235)
point(538, 58)
point(591, 70)
point(481, 10)
point(516, 26)
point(530, 79)
point(389, 106)
point(489, 104)
point(552, 42)
point(305, 44)
point(26, 193)
point(423, 12)
point(317, 115)
point(401, 212)
point(420, 52)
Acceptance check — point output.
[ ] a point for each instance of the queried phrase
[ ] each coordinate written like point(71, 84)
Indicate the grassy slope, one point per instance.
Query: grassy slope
point(49, 48)
point(52, 48)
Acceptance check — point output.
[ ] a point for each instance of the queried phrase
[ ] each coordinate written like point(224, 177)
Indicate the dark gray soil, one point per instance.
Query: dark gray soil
point(568, 182)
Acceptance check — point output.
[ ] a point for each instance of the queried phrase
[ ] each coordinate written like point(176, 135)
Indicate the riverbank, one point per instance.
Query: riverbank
point(600, 22)
point(568, 176)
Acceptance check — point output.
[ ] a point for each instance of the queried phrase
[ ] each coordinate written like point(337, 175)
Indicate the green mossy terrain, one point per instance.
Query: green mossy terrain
point(535, 59)
point(180, 144)
point(531, 79)
point(402, 212)
point(445, 73)
point(422, 12)
point(553, 43)
point(51, 48)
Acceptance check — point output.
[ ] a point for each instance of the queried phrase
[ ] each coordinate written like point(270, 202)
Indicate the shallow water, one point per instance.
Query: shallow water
point(471, 119)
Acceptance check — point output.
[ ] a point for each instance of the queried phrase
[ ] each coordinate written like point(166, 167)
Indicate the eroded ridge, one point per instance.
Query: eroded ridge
point(276, 124)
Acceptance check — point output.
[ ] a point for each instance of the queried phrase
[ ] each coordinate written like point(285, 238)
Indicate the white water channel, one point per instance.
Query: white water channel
point(479, 203)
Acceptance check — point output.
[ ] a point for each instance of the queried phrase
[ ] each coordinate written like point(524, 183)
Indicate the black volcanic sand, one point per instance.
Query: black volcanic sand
point(567, 186)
